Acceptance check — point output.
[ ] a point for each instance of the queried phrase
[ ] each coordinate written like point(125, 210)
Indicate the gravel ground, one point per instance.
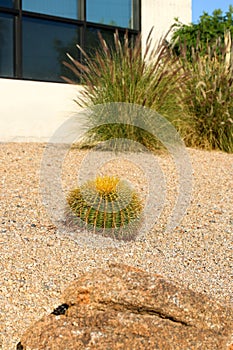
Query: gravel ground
point(38, 261)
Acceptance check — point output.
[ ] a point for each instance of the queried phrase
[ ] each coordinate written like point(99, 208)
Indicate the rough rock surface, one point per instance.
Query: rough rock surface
point(126, 308)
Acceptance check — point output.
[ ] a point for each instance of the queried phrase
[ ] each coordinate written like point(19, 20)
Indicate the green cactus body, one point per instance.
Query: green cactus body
point(107, 205)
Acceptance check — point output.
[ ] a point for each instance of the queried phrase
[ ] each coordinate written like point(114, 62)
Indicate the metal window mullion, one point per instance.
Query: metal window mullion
point(18, 41)
point(18, 47)
point(84, 26)
point(82, 10)
point(136, 15)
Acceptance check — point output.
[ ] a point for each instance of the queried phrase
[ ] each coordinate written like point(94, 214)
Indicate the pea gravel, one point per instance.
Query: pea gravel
point(38, 261)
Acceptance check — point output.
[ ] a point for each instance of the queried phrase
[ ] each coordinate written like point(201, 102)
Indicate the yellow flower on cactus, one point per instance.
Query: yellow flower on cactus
point(106, 184)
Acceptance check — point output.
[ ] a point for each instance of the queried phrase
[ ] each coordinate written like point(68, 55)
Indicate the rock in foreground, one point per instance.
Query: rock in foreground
point(126, 308)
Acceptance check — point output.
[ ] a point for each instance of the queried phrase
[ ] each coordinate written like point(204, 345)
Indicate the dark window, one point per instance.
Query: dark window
point(7, 45)
point(35, 35)
point(121, 13)
point(45, 44)
point(7, 3)
point(92, 38)
point(61, 8)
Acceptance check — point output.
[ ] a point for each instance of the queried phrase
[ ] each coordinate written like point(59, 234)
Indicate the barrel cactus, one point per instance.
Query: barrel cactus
point(106, 205)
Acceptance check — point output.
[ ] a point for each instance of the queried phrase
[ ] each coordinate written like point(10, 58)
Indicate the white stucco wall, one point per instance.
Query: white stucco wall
point(160, 14)
point(32, 111)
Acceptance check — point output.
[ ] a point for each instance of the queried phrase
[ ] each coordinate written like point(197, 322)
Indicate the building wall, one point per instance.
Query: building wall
point(32, 111)
point(160, 15)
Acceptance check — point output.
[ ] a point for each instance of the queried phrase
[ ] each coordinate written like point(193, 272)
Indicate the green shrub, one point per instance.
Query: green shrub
point(208, 97)
point(121, 73)
point(195, 95)
point(206, 31)
point(108, 206)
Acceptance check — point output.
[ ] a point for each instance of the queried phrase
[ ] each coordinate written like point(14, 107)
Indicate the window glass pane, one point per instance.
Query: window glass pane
point(7, 3)
point(61, 8)
point(6, 47)
point(113, 12)
point(92, 41)
point(45, 44)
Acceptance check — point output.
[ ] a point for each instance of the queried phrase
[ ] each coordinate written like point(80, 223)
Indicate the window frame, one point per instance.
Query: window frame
point(19, 14)
point(10, 16)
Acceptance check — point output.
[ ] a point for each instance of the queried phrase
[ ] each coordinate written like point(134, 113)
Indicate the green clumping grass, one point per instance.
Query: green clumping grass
point(195, 95)
point(208, 97)
point(122, 73)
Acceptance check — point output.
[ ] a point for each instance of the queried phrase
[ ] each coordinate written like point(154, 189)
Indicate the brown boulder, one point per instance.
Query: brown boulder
point(126, 308)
